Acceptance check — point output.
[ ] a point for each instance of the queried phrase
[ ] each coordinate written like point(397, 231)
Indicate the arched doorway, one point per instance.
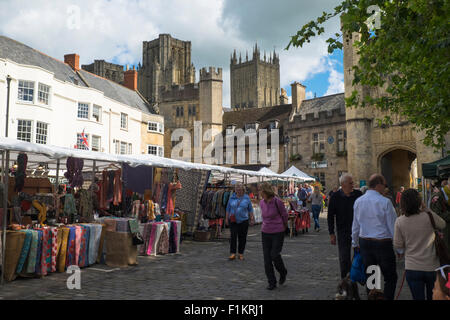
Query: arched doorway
point(399, 167)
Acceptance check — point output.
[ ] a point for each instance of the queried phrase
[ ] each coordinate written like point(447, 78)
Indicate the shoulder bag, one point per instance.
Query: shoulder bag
point(441, 248)
point(279, 212)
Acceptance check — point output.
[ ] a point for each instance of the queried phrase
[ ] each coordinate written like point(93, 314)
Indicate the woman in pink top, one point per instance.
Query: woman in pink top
point(274, 223)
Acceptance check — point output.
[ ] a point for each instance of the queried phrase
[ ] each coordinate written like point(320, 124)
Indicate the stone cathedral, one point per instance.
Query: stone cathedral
point(166, 61)
point(255, 83)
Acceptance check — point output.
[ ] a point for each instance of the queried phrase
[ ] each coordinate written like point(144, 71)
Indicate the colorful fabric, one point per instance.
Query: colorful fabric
point(94, 242)
point(117, 187)
point(69, 205)
point(46, 255)
point(163, 243)
point(82, 255)
point(71, 258)
point(122, 225)
point(63, 248)
point(152, 242)
point(78, 235)
point(37, 268)
point(31, 264)
point(25, 250)
point(54, 254)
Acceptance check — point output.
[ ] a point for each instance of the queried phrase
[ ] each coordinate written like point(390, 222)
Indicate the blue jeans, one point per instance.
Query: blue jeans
point(420, 282)
point(316, 212)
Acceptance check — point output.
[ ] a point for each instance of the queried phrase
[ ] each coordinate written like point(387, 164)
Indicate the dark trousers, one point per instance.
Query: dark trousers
point(238, 234)
point(344, 241)
point(381, 253)
point(272, 246)
point(420, 282)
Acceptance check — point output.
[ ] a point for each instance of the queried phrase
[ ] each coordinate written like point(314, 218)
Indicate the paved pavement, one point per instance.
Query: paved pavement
point(201, 271)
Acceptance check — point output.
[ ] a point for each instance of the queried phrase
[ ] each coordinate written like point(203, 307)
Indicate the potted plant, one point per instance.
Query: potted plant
point(341, 153)
point(296, 157)
point(318, 156)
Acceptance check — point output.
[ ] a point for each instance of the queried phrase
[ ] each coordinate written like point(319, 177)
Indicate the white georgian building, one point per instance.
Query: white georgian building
point(53, 102)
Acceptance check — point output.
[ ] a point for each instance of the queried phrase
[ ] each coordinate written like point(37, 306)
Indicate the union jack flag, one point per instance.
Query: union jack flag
point(84, 140)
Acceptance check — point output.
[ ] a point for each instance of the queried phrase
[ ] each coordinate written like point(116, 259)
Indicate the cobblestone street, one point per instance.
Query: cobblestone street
point(201, 271)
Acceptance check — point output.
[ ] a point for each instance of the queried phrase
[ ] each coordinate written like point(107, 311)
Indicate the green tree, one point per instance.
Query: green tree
point(407, 53)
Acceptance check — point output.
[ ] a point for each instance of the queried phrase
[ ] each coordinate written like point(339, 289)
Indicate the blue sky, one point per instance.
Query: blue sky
point(113, 30)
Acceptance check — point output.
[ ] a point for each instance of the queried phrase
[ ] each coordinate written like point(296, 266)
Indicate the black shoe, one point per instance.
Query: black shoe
point(271, 286)
point(282, 278)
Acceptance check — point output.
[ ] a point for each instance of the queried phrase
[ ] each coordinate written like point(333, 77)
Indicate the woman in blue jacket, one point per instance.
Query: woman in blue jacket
point(239, 211)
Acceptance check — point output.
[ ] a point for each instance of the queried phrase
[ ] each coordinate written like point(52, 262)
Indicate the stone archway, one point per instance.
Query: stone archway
point(399, 166)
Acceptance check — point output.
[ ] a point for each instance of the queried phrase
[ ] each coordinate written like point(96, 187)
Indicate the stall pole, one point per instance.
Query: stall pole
point(57, 176)
point(94, 169)
point(5, 212)
point(3, 164)
point(8, 79)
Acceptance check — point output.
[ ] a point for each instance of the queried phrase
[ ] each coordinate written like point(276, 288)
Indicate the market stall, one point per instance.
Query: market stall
point(110, 209)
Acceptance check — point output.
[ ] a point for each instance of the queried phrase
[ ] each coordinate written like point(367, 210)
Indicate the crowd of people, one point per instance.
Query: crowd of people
point(366, 221)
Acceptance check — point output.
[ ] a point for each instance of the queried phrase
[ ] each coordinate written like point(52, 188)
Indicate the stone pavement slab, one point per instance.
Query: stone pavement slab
point(201, 271)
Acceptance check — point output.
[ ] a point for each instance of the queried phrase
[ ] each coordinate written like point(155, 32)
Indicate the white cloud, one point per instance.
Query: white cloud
point(115, 29)
point(335, 80)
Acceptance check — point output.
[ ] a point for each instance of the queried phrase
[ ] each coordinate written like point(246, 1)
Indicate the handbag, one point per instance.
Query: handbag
point(279, 212)
point(357, 271)
point(441, 248)
point(233, 217)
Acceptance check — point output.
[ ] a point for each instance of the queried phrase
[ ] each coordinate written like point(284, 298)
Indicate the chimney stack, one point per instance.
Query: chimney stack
point(130, 79)
point(73, 60)
point(298, 95)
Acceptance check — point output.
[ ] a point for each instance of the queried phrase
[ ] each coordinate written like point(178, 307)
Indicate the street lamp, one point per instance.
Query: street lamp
point(286, 158)
point(8, 80)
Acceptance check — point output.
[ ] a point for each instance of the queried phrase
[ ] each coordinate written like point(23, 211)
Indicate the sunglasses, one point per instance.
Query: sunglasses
point(441, 269)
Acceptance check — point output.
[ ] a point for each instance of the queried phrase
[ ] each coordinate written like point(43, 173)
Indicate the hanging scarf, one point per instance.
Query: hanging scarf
point(22, 160)
point(73, 174)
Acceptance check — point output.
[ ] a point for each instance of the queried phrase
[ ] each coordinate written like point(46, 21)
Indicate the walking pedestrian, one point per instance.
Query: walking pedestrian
point(440, 206)
point(399, 196)
point(341, 210)
point(239, 211)
point(316, 200)
point(414, 237)
point(373, 231)
point(303, 195)
point(274, 224)
point(334, 190)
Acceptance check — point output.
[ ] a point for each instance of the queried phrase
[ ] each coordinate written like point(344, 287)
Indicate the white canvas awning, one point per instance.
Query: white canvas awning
point(49, 155)
point(295, 172)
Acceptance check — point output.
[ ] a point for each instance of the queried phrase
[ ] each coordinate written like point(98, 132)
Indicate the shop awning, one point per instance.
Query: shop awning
point(295, 172)
point(50, 155)
point(436, 169)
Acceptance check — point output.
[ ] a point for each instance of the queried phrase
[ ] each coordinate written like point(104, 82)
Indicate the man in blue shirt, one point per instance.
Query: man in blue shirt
point(373, 231)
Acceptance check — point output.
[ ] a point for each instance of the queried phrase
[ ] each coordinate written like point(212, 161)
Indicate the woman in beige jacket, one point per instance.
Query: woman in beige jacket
point(414, 237)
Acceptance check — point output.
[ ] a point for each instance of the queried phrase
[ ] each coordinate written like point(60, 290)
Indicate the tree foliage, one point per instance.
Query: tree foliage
point(407, 55)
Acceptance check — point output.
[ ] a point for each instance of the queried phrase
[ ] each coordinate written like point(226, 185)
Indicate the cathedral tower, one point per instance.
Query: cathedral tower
point(166, 61)
point(255, 83)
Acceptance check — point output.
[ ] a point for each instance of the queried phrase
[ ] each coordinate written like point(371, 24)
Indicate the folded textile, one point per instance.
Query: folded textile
point(31, 263)
point(63, 243)
point(94, 242)
point(25, 250)
point(39, 253)
point(70, 257)
point(122, 225)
